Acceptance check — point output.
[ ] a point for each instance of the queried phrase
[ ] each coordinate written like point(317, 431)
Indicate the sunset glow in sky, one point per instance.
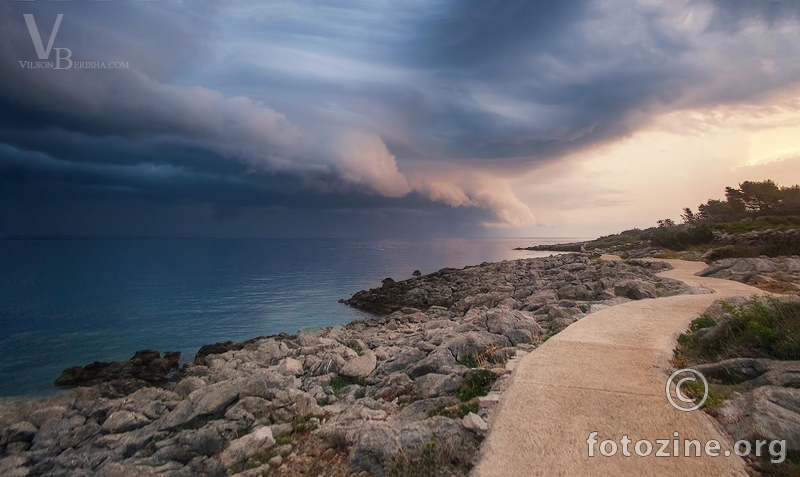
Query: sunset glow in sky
point(391, 118)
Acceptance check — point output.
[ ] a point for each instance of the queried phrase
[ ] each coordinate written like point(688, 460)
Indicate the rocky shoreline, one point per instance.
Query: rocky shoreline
point(373, 397)
point(557, 247)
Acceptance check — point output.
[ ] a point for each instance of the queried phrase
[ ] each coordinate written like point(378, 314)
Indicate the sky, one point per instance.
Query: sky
point(361, 118)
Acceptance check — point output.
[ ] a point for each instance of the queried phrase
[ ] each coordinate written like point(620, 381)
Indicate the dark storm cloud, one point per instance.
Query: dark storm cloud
point(304, 105)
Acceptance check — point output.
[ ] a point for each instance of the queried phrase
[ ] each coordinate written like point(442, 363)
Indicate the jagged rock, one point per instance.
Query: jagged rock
point(328, 363)
point(127, 444)
point(281, 430)
point(473, 343)
point(208, 401)
point(767, 412)
point(292, 403)
point(146, 365)
point(123, 421)
point(396, 384)
point(39, 416)
point(738, 369)
point(187, 385)
point(781, 273)
point(360, 366)
point(351, 393)
point(189, 444)
point(22, 431)
point(473, 422)
point(260, 440)
point(378, 442)
point(575, 292)
point(516, 325)
point(433, 385)
point(291, 367)
point(635, 289)
point(14, 466)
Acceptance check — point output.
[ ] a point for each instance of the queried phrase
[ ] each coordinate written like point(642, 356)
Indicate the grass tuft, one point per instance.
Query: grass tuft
point(338, 382)
point(476, 383)
point(436, 458)
point(766, 328)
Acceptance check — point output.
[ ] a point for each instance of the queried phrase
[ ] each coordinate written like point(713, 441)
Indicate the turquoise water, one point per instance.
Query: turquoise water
point(71, 302)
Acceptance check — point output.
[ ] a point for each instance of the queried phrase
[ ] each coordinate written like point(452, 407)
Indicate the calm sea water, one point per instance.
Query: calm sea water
point(71, 302)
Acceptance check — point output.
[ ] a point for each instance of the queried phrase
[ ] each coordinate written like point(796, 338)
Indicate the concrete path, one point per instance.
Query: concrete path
point(607, 373)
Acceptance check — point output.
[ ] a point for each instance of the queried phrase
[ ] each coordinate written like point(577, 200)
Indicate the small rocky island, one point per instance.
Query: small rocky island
point(412, 386)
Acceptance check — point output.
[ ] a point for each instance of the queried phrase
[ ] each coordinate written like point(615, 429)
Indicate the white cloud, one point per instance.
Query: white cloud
point(364, 160)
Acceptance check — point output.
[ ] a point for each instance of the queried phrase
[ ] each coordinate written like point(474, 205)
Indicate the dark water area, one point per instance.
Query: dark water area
point(71, 302)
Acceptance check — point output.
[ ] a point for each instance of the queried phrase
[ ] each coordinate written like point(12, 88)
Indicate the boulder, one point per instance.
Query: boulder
point(123, 421)
point(767, 412)
point(187, 385)
point(360, 366)
point(635, 289)
point(39, 416)
point(190, 443)
point(22, 431)
point(433, 385)
point(518, 326)
point(329, 362)
point(241, 449)
point(291, 367)
point(575, 292)
point(378, 443)
point(396, 384)
point(208, 401)
point(439, 361)
point(475, 423)
point(474, 342)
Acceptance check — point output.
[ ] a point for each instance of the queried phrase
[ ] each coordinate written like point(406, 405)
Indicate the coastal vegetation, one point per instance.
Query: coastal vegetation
point(752, 207)
point(749, 351)
point(764, 328)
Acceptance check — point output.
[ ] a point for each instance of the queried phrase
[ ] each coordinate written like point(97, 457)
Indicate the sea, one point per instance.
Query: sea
point(69, 302)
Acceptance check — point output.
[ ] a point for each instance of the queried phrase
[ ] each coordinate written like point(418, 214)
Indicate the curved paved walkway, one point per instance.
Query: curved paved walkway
point(607, 373)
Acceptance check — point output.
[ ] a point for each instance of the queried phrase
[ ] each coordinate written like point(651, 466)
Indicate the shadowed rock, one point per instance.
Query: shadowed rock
point(147, 366)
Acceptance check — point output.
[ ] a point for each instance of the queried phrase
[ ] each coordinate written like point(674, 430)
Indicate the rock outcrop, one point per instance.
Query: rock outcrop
point(539, 285)
point(146, 367)
point(780, 274)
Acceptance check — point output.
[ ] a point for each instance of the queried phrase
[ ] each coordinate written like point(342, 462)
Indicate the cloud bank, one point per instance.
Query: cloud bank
point(288, 111)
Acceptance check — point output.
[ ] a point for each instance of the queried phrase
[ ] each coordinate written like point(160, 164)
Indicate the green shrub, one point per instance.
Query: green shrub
point(761, 223)
point(306, 423)
point(476, 383)
point(764, 329)
point(702, 322)
point(681, 237)
point(623, 238)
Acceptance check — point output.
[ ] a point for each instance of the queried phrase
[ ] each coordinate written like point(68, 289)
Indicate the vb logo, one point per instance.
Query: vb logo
point(41, 52)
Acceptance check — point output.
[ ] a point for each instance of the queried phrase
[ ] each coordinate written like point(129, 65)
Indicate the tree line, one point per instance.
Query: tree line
point(752, 199)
